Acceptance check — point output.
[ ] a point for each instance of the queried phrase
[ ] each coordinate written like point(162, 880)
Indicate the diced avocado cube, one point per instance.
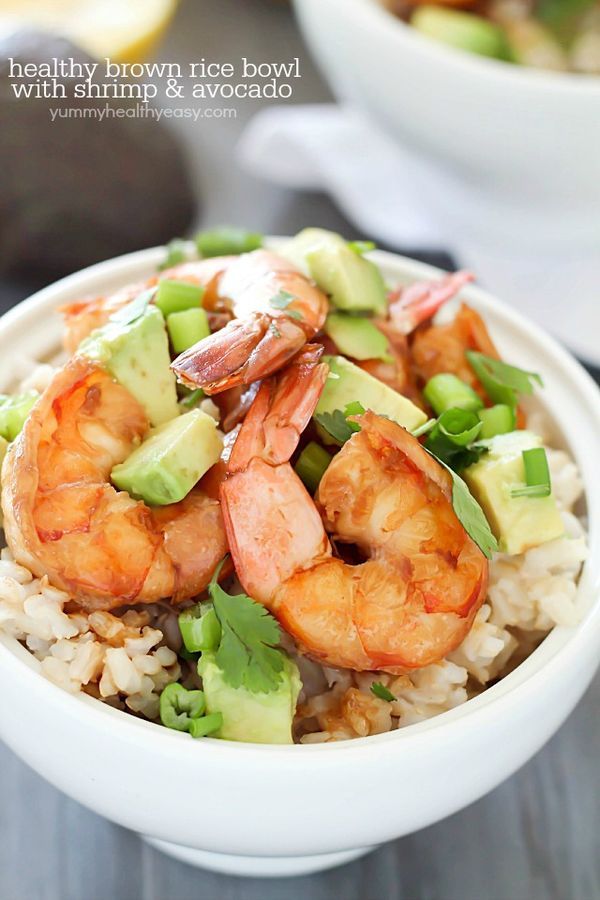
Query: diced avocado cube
point(357, 337)
point(14, 409)
point(518, 523)
point(167, 465)
point(255, 717)
point(186, 328)
point(462, 30)
point(352, 281)
point(135, 350)
point(347, 383)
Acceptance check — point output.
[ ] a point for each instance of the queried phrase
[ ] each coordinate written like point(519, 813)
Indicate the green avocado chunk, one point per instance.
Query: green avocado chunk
point(352, 281)
point(172, 459)
point(14, 409)
point(357, 337)
point(462, 30)
point(133, 346)
point(258, 718)
point(518, 523)
point(347, 383)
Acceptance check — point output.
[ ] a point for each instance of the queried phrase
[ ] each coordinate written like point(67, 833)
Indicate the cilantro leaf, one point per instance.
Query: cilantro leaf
point(469, 513)
point(247, 653)
point(382, 692)
point(281, 300)
point(133, 310)
point(336, 423)
point(451, 438)
point(471, 516)
point(501, 381)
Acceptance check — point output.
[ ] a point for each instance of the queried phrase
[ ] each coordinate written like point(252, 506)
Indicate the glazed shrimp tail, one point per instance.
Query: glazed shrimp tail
point(420, 301)
point(281, 411)
point(63, 518)
point(276, 310)
point(414, 597)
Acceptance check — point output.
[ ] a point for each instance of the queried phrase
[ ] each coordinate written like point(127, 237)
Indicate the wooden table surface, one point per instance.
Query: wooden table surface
point(537, 837)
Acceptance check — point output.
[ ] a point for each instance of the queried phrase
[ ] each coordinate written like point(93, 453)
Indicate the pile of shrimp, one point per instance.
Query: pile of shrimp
point(374, 573)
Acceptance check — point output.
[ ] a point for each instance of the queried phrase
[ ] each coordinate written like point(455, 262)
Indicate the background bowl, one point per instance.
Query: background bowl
point(252, 809)
point(520, 145)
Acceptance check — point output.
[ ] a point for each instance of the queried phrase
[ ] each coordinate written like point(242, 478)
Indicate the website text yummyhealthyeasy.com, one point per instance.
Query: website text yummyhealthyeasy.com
point(141, 111)
point(247, 79)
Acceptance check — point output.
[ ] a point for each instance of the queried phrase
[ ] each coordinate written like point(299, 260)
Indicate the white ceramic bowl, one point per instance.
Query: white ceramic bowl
point(255, 809)
point(521, 146)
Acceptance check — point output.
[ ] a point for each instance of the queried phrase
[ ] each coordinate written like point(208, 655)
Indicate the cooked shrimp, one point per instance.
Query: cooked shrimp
point(414, 598)
point(84, 316)
point(441, 348)
point(63, 518)
point(276, 309)
point(408, 308)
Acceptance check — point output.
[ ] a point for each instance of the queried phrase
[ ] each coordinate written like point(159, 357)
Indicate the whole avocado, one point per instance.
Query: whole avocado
point(79, 190)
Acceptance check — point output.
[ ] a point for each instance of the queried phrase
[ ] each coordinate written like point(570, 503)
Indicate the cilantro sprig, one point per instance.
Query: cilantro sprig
point(247, 653)
point(336, 423)
point(502, 382)
point(451, 440)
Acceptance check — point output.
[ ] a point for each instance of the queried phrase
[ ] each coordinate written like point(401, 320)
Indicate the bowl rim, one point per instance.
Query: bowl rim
point(560, 647)
point(375, 15)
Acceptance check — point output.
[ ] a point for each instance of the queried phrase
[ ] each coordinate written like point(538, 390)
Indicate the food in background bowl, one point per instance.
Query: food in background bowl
point(343, 520)
point(547, 34)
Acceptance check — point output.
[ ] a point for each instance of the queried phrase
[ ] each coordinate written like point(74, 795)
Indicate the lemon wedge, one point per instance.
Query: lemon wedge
point(124, 30)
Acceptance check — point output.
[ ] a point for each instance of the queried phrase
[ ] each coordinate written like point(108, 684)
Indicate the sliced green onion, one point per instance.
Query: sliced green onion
point(226, 241)
point(174, 296)
point(200, 629)
point(537, 475)
point(311, 465)
point(187, 327)
point(501, 381)
point(499, 419)
point(14, 409)
point(206, 725)
point(446, 391)
point(175, 254)
point(382, 692)
point(178, 707)
point(361, 247)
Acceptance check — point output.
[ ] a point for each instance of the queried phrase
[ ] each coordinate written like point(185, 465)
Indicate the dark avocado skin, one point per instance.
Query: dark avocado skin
point(79, 190)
